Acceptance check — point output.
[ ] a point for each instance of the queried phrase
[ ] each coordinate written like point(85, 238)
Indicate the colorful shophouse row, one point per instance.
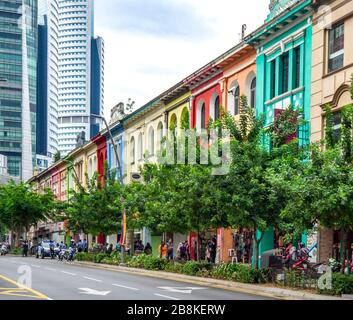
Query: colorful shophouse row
point(292, 59)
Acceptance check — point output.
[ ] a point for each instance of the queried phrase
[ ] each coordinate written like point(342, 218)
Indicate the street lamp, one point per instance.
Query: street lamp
point(119, 168)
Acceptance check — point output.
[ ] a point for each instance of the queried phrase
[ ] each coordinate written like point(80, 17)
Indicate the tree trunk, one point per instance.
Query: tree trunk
point(257, 247)
point(343, 249)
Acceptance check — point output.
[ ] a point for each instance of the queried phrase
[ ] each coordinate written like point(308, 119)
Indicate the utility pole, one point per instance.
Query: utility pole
point(121, 180)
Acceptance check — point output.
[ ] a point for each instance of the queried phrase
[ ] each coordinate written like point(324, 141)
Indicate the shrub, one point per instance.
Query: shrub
point(341, 284)
point(82, 256)
point(193, 268)
point(174, 267)
point(98, 258)
point(224, 271)
point(16, 251)
point(246, 274)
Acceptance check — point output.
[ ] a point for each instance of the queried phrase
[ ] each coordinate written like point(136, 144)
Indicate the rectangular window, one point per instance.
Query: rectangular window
point(337, 126)
point(336, 47)
point(296, 66)
point(273, 79)
point(284, 72)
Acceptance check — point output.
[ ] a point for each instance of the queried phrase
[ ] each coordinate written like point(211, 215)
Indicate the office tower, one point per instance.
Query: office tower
point(71, 76)
point(75, 71)
point(18, 64)
point(47, 82)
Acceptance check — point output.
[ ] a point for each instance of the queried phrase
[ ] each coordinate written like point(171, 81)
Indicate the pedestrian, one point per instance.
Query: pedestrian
point(79, 246)
point(85, 245)
point(187, 250)
point(182, 251)
point(162, 250)
point(110, 249)
point(213, 250)
point(25, 249)
point(170, 249)
point(148, 249)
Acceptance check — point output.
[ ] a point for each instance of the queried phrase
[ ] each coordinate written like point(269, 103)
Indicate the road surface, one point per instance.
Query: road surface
point(54, 280)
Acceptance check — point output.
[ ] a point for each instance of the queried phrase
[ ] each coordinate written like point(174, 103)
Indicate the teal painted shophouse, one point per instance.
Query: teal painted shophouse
point(283, 68)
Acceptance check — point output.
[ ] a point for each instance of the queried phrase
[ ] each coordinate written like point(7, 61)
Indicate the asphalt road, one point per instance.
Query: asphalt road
point(54, 280)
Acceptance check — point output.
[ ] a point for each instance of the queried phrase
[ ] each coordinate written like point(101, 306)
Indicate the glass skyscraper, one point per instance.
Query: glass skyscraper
point(18, 70)
point(66, 27)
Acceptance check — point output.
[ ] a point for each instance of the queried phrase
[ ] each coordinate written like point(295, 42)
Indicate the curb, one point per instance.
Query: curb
point(259, 290)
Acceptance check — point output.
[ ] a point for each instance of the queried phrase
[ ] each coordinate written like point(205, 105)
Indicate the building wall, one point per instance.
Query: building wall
point(76, 31)
point(332, 88)
point(329, 87)
point(48, 78)
point(138, 138)
point(206, 93)
point(240, 74)
point(18, 63)
point(177, 107)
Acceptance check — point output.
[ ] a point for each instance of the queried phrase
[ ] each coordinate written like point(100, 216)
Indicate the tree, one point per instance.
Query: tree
point(253, 202)
point(22, 207)
point(97, 208)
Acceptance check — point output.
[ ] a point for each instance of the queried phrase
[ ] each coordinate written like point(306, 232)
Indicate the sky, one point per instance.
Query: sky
point(150, 45)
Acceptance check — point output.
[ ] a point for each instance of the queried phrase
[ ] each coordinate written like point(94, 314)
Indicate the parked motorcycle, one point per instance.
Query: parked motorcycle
point(67, 254)
point(4, 250)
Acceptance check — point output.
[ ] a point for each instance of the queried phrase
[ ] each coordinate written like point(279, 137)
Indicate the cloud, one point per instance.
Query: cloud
point(144, 56)
point(153, 17)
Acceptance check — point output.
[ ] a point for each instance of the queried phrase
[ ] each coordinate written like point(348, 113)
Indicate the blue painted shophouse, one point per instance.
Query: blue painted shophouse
point(283, 68)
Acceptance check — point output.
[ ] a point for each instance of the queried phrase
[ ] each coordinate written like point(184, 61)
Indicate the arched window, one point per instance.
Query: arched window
point(233, 98)
point(132, 150)
point(253, 93)
point(185, 119)
point(236, 101)
point(94, 169)
point(160, 134)
point(151, 141)
point(139, 147)
point(203, 116)
point(217, 111)
point(173, 124)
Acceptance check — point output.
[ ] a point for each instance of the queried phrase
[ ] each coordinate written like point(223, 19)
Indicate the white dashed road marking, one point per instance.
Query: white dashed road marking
point(167, 297)
point(120, 286)
point(92, 279)
point(69, 273)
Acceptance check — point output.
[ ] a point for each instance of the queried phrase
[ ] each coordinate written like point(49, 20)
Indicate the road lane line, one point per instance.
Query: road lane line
point(35, 266)
point(50, 269)
point(92, 279)
point(35, 293)
point(69, 273)
point(120, 286)
point(167, 297)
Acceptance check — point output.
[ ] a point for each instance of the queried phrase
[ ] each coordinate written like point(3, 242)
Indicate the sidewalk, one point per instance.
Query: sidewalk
point(256, 289)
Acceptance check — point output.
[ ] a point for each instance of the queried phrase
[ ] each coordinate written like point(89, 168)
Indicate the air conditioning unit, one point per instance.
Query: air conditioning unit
point(136, 177)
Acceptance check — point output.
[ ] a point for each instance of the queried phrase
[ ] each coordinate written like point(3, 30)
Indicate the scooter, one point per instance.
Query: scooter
point(4, 250)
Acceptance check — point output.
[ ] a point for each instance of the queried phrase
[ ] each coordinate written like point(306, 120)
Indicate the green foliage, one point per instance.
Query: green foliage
point(148, 262)
point(96, 208)
point(21, 206)
point(193, 268)
point(341, 284)
point(285, 125)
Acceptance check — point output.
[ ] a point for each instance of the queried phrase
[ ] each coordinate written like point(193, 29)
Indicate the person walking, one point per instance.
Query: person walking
point(25, 249)
point(163, 250)
point(170, 249)
point(148, 249)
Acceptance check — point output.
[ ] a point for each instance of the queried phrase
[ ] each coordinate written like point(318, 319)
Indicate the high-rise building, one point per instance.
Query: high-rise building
point(71, 75)
point(48, 82)
point(75, 71)
point(18, 64)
